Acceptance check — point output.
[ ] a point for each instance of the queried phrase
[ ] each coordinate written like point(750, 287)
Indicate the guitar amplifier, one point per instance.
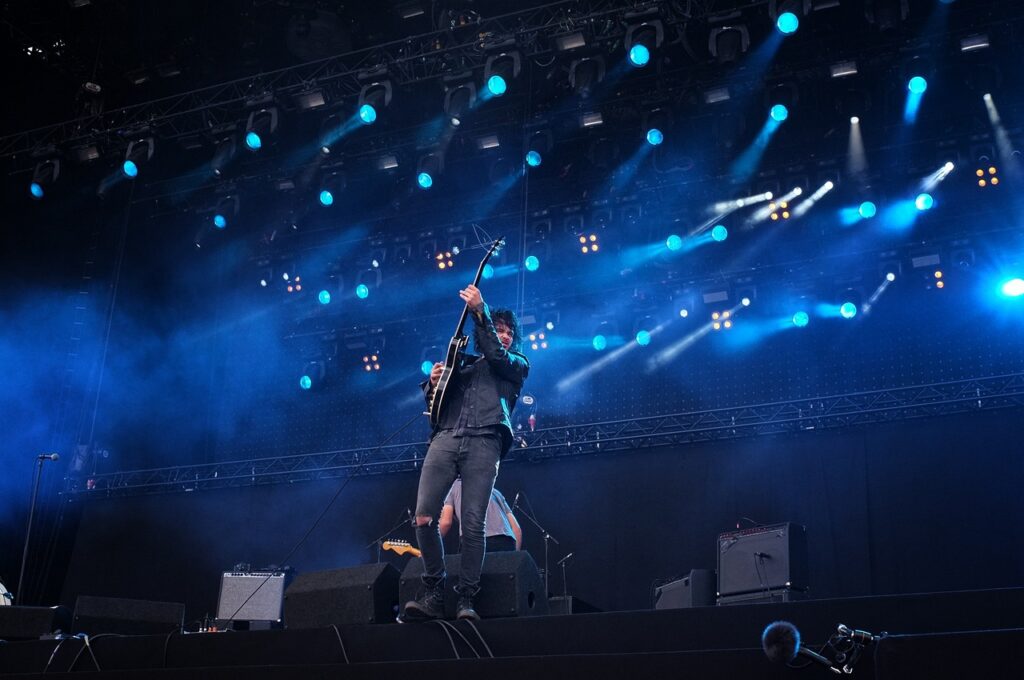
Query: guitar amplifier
point(762, 559)
point(263, 590)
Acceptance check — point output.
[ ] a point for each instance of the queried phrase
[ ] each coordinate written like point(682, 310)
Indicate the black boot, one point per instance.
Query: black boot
point(428, 606)
point(465, 609)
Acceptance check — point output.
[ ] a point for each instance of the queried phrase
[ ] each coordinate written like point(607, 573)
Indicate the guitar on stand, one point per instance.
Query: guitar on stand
point(456, 348)
point(401, 547)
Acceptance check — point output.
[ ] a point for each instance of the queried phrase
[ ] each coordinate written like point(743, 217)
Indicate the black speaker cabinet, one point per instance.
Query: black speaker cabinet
point(95, 615)
point(697, 589)
point(762, 559)
point(363, 594)
point(31, 623)
point(510, 585)
point(251, 596)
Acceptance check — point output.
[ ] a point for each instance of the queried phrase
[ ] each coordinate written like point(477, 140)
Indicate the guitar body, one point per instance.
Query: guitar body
point(452, 362)
point(456, 349)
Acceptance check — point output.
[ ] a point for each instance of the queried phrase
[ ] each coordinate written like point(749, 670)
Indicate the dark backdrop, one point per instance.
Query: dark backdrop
point(922, 505)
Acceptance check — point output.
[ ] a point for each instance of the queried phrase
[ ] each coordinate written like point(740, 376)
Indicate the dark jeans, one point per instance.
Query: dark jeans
point(476, 460)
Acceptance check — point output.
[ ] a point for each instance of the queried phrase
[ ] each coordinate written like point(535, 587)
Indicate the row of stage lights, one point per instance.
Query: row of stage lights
point(374, 96)
point(430, 165)
point(590, 244)
point(643, 37)
point(719, 320)
point(141, 151)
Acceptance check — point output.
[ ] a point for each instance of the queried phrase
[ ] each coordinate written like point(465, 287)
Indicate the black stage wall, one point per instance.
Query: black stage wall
point(910, 506)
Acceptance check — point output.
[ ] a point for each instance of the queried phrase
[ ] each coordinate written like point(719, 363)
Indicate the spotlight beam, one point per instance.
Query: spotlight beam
point(735, 204)
point(808, 203)
point(672, 351)
point(593, 367)
point(882, 287)
point(1003, 143)
point(857, 163)
point(933, 180)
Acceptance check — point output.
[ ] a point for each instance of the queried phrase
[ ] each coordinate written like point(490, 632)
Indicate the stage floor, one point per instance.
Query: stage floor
point(943, 632)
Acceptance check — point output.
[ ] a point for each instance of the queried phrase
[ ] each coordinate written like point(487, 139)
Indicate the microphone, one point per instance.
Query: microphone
point(860, 636)
point(781, 644)
point(515, 503)
point(48, 456)
point(409, 513)
point(763, 556)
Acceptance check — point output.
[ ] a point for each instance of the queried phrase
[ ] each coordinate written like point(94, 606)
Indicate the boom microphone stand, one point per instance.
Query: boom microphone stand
point(19, 596)
point(547, 537)
point(379, 541)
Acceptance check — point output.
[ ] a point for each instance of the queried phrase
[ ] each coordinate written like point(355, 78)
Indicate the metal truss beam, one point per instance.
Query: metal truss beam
point(820, 413)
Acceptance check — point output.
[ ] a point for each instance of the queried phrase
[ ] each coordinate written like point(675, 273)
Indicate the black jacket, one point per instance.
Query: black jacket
point(483, 392)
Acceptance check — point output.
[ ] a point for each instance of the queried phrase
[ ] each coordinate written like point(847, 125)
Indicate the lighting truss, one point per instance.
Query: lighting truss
point(408, 60)
point(802, 415)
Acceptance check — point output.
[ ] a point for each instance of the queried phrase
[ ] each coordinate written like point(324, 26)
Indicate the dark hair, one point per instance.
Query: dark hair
point(509, 318)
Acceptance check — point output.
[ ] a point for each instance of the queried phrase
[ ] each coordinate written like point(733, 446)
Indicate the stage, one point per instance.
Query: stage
point(934, 635)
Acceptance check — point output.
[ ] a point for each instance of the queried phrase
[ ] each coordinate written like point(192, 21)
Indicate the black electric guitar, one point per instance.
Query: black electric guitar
point(456, 348)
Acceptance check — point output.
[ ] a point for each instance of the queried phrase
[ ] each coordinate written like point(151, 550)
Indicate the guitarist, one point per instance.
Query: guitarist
point(472, 435)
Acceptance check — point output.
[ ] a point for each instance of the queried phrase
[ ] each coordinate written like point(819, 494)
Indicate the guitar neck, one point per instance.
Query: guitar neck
point(476, 282)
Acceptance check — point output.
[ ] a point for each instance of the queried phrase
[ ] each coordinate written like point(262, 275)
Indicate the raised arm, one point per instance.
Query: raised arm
point(509, 365)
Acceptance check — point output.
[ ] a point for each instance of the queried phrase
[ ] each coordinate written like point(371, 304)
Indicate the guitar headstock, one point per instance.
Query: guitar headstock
point(496, 246)
point(400, 547)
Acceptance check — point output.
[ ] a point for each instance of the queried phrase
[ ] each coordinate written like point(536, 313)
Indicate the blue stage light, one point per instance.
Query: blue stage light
point(326, 198)
point(719, 233)
point(220, 221)
point(362, 292)
point(1013, 288)
point(924, 202)
point(674, 242)
point(643, 338)
point(639, 55)
point(424, 180)
point(779, 113)
point(367, 114)
point(787, 23)
point(496, 85)
point(599, 342)
point(129, 169)
point(533, 159)
point(324, 297)
point(36, 189)
point(253, 141)
point(800, 319)
point(488, 272)
point(867, 210)
point(848, 310)
point(532, 263)
point(305, 382)
point(426, 367)
point(655, 137)
point(917, 85)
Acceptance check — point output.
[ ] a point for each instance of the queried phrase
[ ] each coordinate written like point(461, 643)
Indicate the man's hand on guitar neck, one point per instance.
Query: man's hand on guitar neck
point(435, 373)
point(471, 296)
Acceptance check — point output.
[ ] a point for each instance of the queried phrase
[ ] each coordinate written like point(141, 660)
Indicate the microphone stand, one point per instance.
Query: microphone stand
point(379, 541)
point(565, 588)
point(547, 537)
point(19, 598)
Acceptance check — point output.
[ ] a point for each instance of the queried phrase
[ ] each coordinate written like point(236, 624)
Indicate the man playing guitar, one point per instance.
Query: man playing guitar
point(472, 434)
